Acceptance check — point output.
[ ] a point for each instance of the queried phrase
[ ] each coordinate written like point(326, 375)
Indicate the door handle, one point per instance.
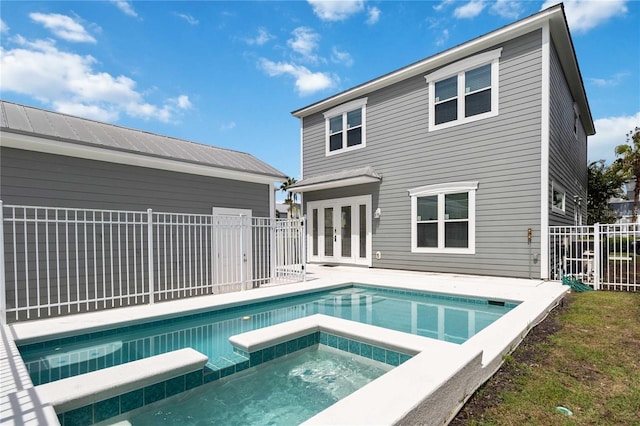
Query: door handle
point(335, 238)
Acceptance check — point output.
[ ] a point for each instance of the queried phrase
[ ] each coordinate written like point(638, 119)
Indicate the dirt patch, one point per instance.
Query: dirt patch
point(526, 356)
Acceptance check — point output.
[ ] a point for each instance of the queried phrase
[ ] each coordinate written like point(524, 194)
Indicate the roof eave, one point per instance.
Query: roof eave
point(30, 142)
point(560, 33)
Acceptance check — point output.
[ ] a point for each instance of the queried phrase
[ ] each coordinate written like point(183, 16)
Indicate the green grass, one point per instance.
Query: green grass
point(590, 366)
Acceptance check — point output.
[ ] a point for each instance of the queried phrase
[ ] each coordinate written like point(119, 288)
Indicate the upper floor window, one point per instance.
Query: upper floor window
point(464, 91)
point(346, 127)
point(558, 198)
point(443, 218)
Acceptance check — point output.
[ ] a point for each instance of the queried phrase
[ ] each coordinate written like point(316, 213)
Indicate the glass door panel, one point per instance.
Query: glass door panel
point(328, 231)
point(345, 231)
point(314, 231)
point(363, 231)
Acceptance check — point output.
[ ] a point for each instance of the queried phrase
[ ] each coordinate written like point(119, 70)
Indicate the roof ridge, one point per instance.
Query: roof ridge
point(131, 129)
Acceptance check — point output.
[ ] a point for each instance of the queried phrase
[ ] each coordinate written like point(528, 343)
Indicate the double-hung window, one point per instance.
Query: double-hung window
point(345, 127)
point(465, 91)
point(443, 218)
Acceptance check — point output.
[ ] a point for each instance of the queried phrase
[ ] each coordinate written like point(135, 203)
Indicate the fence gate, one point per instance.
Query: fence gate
point(604, 256)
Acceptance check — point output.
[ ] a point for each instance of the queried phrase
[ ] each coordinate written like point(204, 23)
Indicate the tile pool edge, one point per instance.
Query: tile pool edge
point(372, 342)
point(429, 366)
point(75, 392)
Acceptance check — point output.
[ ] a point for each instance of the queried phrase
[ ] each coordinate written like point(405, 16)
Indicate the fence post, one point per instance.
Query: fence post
point(243, 256)
point(597, 256)
point(3, 288)
point(272, 249)
point(150, 255)
point(303, 244)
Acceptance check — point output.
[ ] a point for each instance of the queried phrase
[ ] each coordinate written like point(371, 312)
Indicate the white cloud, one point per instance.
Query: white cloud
point(510, 9)
point(444, 36)
point(305, 43)
point(125, 7)
point(469, 10)
point(340, 57)
point(373, 15)
point(609, 82)
point(262, 38)
point(228, 126)
point(4, 28)
point(63, 26)
point(332, 10)
point(182, 102)
point(190, 19)
point(610, 132)
point(69, 83)
point(94, 112)
point(584, 15)
point(306, 82)
point(443, 4)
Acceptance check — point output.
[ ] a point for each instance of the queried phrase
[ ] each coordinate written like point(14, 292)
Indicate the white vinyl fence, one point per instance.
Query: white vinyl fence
point(607, 257)
point(59, 261)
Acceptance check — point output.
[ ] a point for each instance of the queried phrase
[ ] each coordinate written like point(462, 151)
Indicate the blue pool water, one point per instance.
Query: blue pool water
point(441, 317)
point(284, 392)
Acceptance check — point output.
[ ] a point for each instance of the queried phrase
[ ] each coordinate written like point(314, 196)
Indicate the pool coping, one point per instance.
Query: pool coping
point(536, 297)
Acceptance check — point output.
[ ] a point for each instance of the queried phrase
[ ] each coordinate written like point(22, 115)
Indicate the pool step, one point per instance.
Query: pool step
point(86, 389)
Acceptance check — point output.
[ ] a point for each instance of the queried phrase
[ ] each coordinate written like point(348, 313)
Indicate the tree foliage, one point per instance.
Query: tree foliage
point(604, 183)
point(628, 164)
point(292, 197)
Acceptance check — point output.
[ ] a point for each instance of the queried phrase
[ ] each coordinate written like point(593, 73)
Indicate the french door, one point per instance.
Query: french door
point(339, 230)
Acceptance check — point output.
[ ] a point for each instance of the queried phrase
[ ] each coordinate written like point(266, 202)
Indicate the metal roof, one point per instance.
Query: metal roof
point(337, 179)
point(29, 121)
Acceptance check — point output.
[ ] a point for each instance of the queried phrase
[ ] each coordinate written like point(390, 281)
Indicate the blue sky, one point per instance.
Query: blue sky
point(230, 73)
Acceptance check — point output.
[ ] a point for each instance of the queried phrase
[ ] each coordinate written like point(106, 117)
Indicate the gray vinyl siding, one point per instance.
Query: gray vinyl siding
point(567, 153)
point(40, 179)
point(96, 269)
point(502, 153)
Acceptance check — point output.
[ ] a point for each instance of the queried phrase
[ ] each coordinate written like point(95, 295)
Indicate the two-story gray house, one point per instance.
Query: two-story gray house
point(456, 163)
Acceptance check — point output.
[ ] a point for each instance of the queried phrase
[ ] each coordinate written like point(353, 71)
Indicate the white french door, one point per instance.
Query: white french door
point(339, 230)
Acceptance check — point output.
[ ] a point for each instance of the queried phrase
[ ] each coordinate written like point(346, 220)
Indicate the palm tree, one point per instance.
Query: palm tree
point(292, 197)
point(628, 164)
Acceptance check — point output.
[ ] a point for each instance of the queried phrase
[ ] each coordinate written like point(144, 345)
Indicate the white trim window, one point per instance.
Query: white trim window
point(465, 91)
point(443, 218)
point(558, 198)
point(345, 127)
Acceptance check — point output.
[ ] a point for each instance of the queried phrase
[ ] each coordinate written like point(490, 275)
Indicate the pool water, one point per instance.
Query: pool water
point(436, 316)
point(287, 391)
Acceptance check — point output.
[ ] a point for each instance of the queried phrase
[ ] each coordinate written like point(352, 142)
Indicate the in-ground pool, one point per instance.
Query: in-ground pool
point(286, 391)
point(438, 316)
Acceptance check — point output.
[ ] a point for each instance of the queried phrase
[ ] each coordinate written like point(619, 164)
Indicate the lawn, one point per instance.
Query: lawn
point(585, 357)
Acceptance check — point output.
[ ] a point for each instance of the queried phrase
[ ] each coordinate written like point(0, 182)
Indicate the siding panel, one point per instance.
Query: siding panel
point(502, 153)
point(32, 178)
point(567, 151)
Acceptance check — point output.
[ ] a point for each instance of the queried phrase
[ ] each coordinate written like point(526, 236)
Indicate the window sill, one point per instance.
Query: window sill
point(443, 250)
point(459, 122)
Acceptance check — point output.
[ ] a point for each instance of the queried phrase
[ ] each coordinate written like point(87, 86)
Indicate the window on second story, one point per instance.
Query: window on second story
point(464, 91)
point(346, 127)
point(558, 197)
